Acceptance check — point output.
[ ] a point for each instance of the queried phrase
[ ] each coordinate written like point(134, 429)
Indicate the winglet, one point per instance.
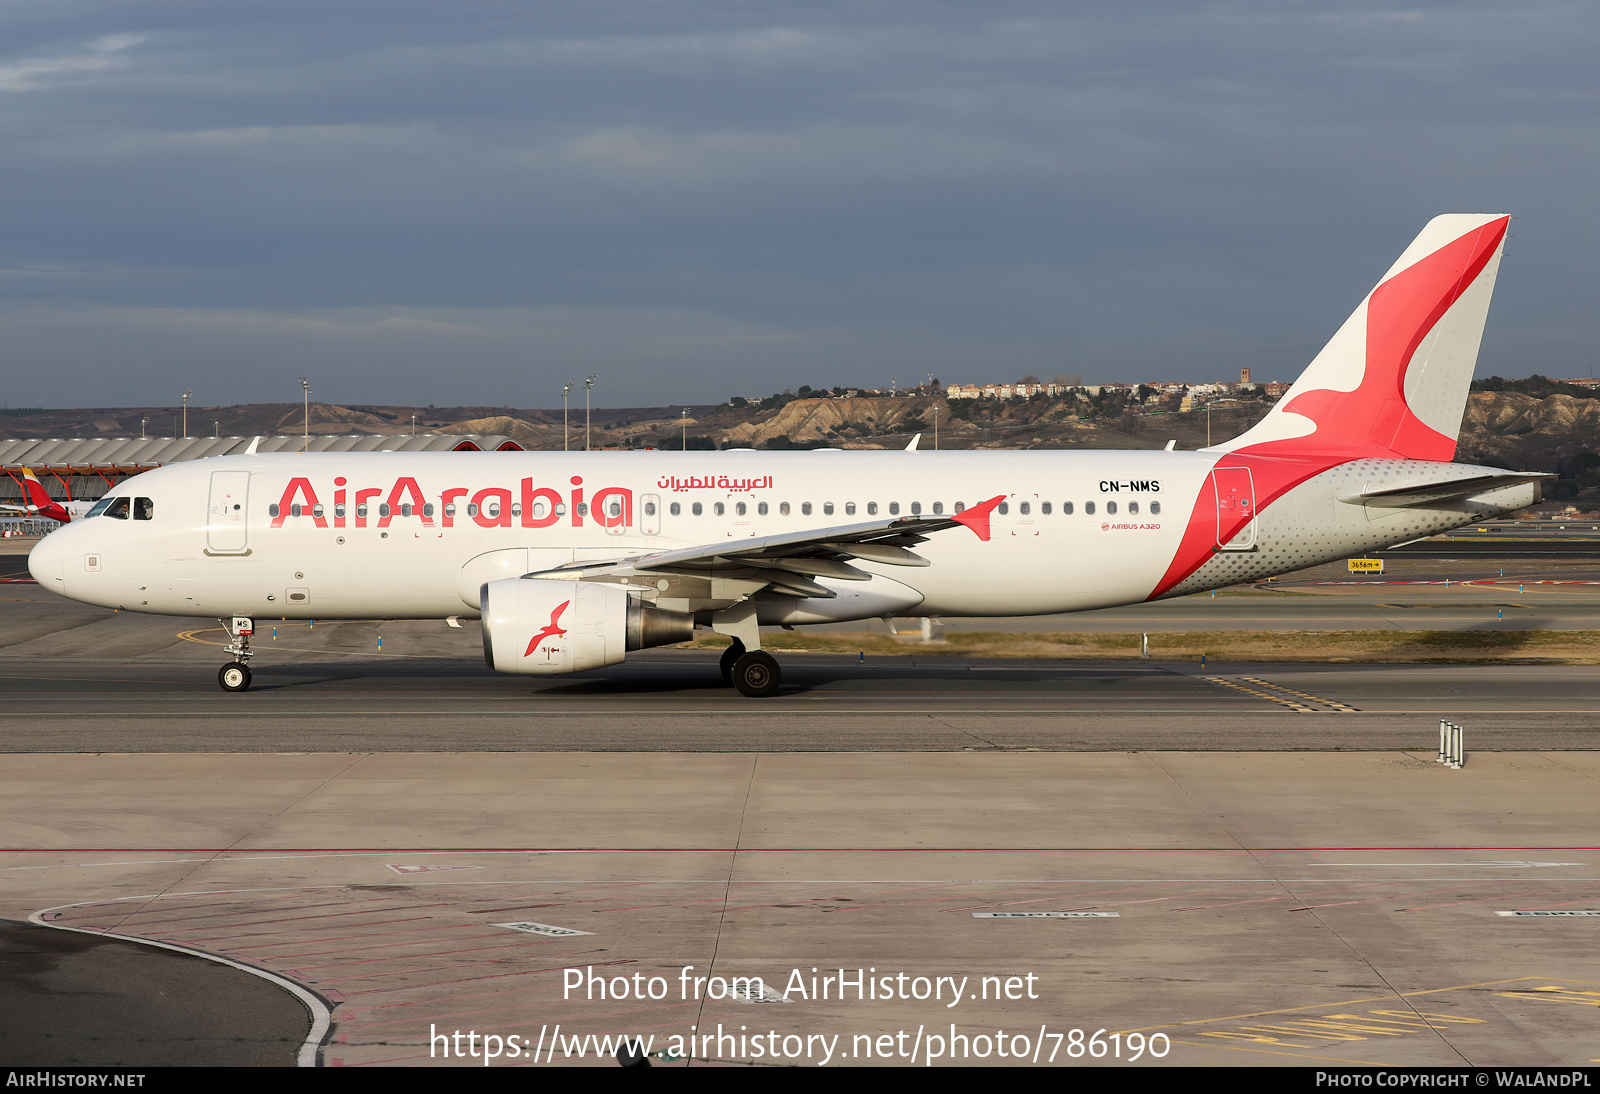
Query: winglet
point(912, 447)
point(251, 451)
point(977, 518)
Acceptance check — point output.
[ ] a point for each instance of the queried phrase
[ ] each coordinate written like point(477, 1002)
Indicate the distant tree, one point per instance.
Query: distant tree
point(738, 402)
point(700, 444)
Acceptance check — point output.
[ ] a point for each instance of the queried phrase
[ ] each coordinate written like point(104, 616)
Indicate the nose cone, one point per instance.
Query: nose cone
point(47, 563)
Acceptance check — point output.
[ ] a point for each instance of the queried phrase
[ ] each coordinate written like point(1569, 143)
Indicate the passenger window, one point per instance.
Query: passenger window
point(145, 509)
point(272, 510)
point(738, 508)
point(1088, 507)
point(938, 508)
point(894, 509)
point(827, 508)
point(493, 509)
point(1044, 508)
point(383, 510)
point(649, 508)
point(1111, 508)
point(677, 510)
point(916, 508)
point(1023, 508)
point(405, 509)
point(361, 510)
point(1155, 509)
point(516, 509)
point(472, 510)
point(718, 509)
point(849, 508)
point(696, 509)
point(561, 509)
point(805, 508)
point(338, 510)
point(316, 510)
point(294, 510)
point(613, 509)
point(872, 508)
point(1133, 508)
point(427, 510)
point(761, 510)
point(538, 510)
point(1066, 508)
point(961, 507)
point(783, 508)
point(1004, 508)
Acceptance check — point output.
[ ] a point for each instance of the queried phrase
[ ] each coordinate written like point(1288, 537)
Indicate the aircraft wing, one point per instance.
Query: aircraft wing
point(1424, 495)
point(787, 563)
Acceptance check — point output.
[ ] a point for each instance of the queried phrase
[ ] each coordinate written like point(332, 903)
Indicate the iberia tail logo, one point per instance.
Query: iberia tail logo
point(550, 631)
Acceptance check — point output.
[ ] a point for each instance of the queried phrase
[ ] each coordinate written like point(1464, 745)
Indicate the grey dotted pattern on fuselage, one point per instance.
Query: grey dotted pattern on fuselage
point(1309, 525)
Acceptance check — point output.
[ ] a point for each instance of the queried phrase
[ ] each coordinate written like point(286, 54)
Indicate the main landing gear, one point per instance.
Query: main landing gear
point(235, 675)
point(755, 673)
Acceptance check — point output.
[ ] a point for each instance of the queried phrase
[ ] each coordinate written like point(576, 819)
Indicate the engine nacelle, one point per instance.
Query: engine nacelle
point(546, 627)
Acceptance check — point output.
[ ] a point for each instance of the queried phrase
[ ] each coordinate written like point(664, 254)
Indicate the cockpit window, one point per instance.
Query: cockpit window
point(118, 509)
point(98, 507)
point(144, 509)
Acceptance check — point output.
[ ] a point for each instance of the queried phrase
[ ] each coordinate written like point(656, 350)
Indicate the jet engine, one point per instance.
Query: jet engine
point(545, 627)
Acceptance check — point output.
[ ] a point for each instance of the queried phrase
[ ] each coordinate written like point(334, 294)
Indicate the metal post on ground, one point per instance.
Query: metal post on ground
point(1444, 741)
point(927, 628)
point(1144, 645)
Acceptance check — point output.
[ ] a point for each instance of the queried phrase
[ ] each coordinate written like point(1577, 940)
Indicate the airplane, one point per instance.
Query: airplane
point(42, 505)
point(570, 561)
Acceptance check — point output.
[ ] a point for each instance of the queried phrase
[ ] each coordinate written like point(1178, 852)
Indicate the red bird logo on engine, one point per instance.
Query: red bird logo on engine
point(551, 631)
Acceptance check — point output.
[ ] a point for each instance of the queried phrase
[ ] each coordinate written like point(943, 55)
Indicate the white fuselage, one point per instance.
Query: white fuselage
point(415, 535)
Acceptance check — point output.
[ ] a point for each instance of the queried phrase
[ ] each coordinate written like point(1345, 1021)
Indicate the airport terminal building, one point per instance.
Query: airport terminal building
point(85, 468)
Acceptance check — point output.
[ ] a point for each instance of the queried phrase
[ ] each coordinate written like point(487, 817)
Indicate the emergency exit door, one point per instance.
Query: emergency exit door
point(1236, 508)
point(227, 513)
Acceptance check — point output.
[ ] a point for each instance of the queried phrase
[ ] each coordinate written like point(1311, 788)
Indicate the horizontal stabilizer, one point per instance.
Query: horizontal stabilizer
point(1422, 495)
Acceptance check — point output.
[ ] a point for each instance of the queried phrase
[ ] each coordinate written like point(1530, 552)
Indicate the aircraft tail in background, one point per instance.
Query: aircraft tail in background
point(39, 502)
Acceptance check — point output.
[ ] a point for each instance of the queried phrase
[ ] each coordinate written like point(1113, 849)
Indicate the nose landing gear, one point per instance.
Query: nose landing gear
point(235, 675)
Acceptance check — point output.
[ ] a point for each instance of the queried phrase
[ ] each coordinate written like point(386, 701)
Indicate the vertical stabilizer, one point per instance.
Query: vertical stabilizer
point(1394, 380)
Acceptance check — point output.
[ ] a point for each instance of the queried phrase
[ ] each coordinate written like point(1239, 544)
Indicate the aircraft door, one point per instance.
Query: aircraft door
point(1236, 508)
point(227, 513)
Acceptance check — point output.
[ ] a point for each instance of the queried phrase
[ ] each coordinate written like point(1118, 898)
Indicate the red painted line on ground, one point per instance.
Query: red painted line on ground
point(744, 850)
point(476, 979)
point(517, 945)
point(357, 949)
point(1480, 900)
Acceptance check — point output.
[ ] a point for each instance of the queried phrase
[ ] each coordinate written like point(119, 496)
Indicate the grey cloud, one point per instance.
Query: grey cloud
point(855, 191)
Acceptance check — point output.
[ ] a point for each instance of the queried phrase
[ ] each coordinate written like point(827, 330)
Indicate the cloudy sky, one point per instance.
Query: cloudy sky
point(469, 202)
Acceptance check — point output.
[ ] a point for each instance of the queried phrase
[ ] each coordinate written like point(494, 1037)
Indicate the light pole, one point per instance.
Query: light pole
point(588, 386)
point(142, 422)
point(305, 386)
point(413, 425)
point(186, 395)
point(566, 389)
point(216, 429)
point(684, 419)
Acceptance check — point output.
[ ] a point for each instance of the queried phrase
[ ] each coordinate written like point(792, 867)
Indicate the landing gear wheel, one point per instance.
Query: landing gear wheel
point(234, 676)
point(757, 674)
point(729, 656)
